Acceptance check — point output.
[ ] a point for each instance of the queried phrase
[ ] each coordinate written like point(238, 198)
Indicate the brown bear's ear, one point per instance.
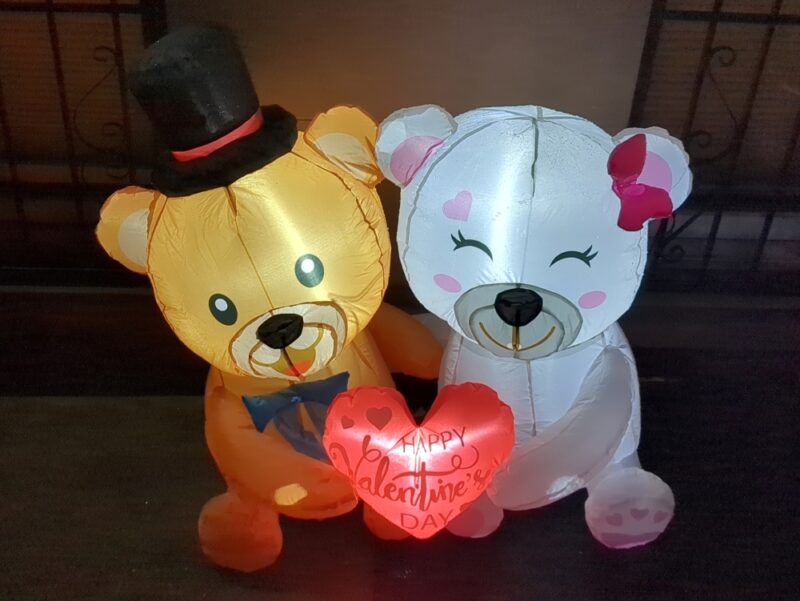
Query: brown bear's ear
point(345, 135)
point(122, 230)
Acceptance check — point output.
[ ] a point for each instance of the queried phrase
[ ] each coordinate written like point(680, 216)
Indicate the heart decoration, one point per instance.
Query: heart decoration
point(458, 208)
point(419, 477)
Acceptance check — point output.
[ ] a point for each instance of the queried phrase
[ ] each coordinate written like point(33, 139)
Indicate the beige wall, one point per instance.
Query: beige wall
point(579, 56)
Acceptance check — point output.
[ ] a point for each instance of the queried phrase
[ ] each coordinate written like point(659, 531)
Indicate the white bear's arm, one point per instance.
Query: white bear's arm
point(574, 449)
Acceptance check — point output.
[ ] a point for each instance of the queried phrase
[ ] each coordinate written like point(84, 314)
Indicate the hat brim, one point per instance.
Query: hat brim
point(231, 162)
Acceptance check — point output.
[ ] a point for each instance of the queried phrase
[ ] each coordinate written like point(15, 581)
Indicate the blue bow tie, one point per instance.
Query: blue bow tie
point(283, 408)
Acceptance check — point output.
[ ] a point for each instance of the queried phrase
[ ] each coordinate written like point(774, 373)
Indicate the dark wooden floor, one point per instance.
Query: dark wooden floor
point(103, 470)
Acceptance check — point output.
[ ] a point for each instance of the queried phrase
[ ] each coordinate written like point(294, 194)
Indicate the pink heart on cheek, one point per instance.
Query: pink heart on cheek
point(593, 299)
point(458, 208)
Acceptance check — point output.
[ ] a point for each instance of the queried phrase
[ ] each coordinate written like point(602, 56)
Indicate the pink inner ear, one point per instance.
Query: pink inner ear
point(656, 172)
point(410, 155)
point(627, 159)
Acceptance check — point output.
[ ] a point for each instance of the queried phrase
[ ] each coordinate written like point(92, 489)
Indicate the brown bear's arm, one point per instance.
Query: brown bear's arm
point(268, 467)
point(407, 346)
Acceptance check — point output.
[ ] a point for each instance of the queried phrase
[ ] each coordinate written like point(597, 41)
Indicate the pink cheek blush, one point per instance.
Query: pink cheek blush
point(593, 299)
point(447, 283)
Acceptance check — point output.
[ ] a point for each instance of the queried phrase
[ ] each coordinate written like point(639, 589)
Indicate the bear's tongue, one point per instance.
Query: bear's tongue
point(298, 368)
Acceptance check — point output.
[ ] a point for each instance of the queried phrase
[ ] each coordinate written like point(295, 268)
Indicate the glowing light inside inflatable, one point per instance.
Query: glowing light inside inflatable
point(419, 477)
point(524, 228)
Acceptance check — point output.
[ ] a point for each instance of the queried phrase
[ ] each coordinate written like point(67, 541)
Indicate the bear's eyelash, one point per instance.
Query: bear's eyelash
point(462, 242)
point(584, 256)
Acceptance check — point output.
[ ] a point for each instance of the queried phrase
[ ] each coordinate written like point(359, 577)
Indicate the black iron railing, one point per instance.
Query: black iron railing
point(100, 139)
point(716, 130)
point(706, 73)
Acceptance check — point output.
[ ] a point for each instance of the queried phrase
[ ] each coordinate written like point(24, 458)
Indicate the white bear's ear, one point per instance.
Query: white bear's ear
point(650, 173)
point(408, 138)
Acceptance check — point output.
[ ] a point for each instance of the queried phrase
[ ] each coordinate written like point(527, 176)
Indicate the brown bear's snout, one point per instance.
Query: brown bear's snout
point(279, 331)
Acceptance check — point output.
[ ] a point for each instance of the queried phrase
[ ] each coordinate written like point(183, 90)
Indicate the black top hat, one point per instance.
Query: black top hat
point(196, 90)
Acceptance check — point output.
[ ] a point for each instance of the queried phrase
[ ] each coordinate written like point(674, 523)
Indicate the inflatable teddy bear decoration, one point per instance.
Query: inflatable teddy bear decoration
point(525, 230)
point(268, 253)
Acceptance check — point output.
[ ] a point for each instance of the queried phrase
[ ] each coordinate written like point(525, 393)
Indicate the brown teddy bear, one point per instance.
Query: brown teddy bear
point(268, 253)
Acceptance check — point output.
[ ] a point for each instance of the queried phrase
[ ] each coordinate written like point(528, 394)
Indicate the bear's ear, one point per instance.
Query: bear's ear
point(409, 137)
point(122, 230)
point(345, 135)
point(650, 173)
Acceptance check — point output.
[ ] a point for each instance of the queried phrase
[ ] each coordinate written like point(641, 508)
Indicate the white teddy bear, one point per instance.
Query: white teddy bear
point(523, 228)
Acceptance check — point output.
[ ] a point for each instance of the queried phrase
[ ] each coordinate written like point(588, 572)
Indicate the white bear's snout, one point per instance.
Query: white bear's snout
point(518, 320)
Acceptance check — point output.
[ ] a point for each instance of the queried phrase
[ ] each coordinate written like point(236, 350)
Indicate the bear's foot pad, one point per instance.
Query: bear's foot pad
point(239, 535)
point(629, 508)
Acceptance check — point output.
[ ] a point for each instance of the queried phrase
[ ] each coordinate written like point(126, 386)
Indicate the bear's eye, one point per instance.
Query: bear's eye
point(309, 270)
point(462, 242)
point(223, 309)
point(585, 256)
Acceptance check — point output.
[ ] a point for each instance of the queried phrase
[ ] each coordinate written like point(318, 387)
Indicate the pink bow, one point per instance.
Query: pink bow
point(638, 202)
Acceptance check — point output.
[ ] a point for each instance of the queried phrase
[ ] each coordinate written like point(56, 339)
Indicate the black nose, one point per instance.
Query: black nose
point(518, 306)
point(279, 331)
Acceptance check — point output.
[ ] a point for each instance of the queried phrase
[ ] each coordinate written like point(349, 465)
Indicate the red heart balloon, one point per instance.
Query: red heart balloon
point(419, 477)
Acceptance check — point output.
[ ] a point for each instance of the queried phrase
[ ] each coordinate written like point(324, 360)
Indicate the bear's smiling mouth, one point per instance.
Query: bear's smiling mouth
point(321, 340)
point(552, 328)
point(515, 343)
point(294, 362)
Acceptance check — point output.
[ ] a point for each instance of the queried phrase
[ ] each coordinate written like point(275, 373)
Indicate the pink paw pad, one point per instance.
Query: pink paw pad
point(629, 508)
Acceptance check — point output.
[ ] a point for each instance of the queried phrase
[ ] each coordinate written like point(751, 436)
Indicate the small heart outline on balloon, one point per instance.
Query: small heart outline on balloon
point(660, 516)
point(347, 422)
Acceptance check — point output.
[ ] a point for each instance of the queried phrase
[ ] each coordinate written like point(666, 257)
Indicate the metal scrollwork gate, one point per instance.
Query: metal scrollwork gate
point(724, 75)
point(69, 132)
